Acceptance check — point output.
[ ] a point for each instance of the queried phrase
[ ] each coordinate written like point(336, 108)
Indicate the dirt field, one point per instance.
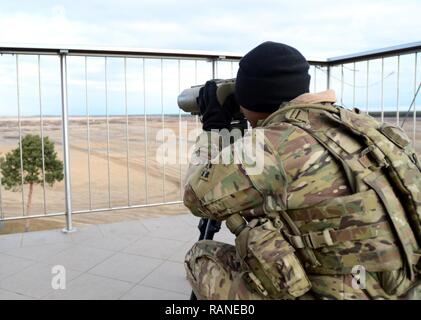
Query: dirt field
point(117, 178)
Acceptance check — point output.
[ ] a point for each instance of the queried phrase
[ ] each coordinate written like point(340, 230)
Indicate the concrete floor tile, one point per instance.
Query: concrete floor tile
point(44, 237)
point(10, 241)
point(127, 229)
point(91, 287)
point(86, 233)
point(35, 281)
point(38, 252)
point(79, 257)
point(154, 247)
point(139, 259)
point(112, 243)
point(126, 267)
point(146, 293)
point(10, 265)
point(7, 295)
point(169, 276)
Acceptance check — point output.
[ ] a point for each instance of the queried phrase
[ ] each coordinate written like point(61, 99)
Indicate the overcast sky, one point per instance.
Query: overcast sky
point(317, 28)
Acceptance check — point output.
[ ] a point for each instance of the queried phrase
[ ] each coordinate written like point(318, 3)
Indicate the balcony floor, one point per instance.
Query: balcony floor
point(140, 259)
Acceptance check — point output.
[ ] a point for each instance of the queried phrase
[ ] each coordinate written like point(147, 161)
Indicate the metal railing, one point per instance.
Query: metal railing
point(389, 81)
point(113, 139)
point(68, 143)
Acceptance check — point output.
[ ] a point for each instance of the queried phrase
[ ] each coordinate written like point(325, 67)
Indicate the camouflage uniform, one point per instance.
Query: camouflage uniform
point(301, 173)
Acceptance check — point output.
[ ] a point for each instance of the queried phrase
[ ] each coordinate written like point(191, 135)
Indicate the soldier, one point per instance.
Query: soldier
point(334, 212)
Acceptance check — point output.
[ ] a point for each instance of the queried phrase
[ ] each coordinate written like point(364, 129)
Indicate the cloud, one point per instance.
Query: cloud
point(322, 28)
point(319, 29)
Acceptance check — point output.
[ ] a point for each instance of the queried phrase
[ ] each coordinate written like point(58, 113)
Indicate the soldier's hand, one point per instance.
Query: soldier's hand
point(213, 114)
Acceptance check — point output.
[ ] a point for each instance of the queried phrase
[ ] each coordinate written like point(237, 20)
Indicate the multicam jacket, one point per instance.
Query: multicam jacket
point(302, 179)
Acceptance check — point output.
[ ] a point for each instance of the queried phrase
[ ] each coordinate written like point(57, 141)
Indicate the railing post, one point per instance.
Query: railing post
point(328, 77)
point(65, 121)
point(214, 67)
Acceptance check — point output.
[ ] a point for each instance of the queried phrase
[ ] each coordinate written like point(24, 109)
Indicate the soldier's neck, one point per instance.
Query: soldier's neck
point(327, 96)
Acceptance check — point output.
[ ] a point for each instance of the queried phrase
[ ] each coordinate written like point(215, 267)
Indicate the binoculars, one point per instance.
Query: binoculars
point(188, 98)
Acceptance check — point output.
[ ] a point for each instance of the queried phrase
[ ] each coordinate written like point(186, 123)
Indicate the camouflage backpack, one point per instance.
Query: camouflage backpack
point(384, 212)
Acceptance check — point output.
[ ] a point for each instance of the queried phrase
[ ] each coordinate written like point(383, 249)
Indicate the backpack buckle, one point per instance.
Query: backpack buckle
point(299, 115)
point(316, 240)
point(376, 154)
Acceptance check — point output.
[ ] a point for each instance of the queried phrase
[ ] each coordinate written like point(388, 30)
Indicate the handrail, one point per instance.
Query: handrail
point(129, 52)
point(195, 54)
point(118, 52)
point(377, 53)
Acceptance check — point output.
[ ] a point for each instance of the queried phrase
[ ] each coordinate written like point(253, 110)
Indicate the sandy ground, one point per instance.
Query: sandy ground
point(117, 178)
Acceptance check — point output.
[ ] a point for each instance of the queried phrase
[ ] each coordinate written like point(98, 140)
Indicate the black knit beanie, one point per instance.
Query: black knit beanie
point(270, 74)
